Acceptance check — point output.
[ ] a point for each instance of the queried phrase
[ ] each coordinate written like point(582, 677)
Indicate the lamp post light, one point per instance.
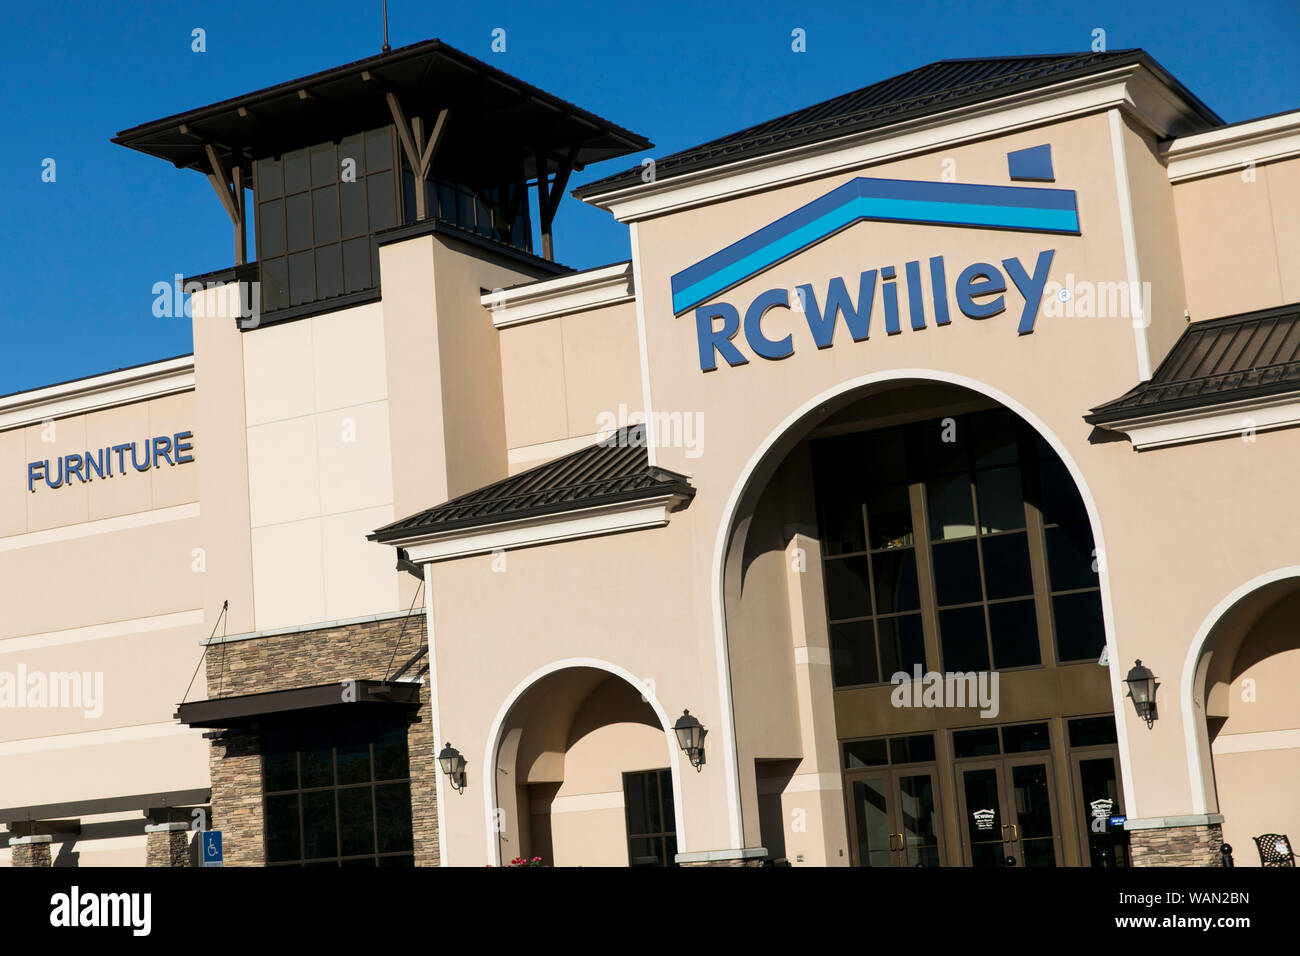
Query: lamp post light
point(453, 765)
point(690, 737)
point(1142, 688)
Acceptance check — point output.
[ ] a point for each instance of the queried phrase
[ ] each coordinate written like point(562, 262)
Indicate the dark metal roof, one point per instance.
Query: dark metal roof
point(487, 108)
point(248, 708)
point(934, 88)
point(617, 469)
point(1215, 362)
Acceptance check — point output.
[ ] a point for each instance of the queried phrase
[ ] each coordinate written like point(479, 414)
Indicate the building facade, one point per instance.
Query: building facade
point(840, 526)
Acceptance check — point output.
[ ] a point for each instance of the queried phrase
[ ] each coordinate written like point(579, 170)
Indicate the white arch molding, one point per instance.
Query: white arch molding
point(725, 527)
point(490, 803)
point(1194, 725)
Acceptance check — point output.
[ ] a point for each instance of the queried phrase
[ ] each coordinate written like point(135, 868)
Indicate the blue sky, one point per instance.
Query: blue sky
point(81, 254)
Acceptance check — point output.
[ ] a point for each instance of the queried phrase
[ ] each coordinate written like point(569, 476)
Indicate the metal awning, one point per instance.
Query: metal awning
point(356, 697)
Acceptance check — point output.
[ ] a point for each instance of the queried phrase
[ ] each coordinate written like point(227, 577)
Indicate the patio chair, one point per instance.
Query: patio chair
point(1274, 850)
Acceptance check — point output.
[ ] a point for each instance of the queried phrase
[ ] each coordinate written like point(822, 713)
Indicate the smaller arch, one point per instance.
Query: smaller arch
point(1195, 733)
point(490, 796)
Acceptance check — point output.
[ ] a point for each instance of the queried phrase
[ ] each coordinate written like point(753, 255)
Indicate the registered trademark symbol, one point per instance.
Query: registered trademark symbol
point(1064, 295)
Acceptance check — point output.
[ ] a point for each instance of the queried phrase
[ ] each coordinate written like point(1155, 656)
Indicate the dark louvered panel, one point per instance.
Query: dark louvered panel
point(1219, 361)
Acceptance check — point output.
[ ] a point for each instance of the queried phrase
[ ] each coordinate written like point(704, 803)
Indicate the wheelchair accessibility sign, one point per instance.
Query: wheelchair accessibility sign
point(212, 848)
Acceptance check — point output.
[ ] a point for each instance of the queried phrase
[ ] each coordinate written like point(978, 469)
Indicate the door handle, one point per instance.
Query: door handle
point(1015, 834)
point(892, 846)
point(902, 843)
point(1005, 828)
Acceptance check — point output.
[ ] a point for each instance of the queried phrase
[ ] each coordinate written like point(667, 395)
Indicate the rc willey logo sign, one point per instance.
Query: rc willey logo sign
point(980, 289)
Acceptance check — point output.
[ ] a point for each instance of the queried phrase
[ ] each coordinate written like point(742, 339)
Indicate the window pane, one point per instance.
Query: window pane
point(645, 851)
point(352, 148)
point(666, 800)
point(853, 654)
point(889, 516)
point(895, 580)
point(379, 153)
point(641, 791)
point(318, 832)
point(393, 817)
point(352, 207)
point(1092, 731)
point(1025, 738)
point(1080, 633)
point(1070, 558)
point(956, 572)
point(1061, 501)
point(847, 594)
point(329, 272)
point(270, 220)
point(865, 753)
point(356, 822)
point(963, 639)
point(282, 828)
point(298, 221)
point(317, 757)
point(390, 750)
point(1006, 566)
point(1015, 634)
point(975, 743)
point(465, 208)
point(380, 201)
point(944, 445)
point(353, 753)
point(404, 860)
point(887, 456)
point(902, 646)
point(916, 749)
point(275, 288)
point(302, 284)
point(280, 759)
point(447, 201)
point(995, 441)
point(295, 171)
point(840, 516)
point(356, 264)
point(267, 179)
point(323, 168)
point(951, 514)
point(1001, 500)
point(325, 214)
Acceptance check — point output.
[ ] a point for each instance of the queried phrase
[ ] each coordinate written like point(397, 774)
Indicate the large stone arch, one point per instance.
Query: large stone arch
point(506, 743)
point(760, 467)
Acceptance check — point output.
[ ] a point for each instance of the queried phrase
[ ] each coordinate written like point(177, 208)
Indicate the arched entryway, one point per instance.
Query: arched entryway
point(1242, 712)
point(916, 523)
point(584, 774)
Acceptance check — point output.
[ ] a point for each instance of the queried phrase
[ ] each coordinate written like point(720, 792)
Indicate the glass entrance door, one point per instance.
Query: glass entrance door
point(1008, 811)
point(1099, 799)
point(894, 818)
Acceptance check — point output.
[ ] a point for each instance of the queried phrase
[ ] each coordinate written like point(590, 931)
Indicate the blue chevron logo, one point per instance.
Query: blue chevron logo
point(1015, 208)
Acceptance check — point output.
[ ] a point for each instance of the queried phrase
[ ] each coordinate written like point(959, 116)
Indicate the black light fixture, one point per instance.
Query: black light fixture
point(453, 765)
point(690, 737)
point(1142, 688)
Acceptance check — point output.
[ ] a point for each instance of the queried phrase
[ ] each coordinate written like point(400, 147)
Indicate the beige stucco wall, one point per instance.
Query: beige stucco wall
point(100, 579)
point(1239, 243)
point(1257, 748)
point(568, 377)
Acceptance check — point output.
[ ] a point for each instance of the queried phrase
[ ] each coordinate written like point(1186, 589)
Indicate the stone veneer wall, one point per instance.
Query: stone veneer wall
point(307, 659)
point(1177, 846)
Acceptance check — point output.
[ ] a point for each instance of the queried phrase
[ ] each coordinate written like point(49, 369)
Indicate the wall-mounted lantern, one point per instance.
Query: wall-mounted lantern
point(1142, 688)
point(453, 765)
point(690, 737)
